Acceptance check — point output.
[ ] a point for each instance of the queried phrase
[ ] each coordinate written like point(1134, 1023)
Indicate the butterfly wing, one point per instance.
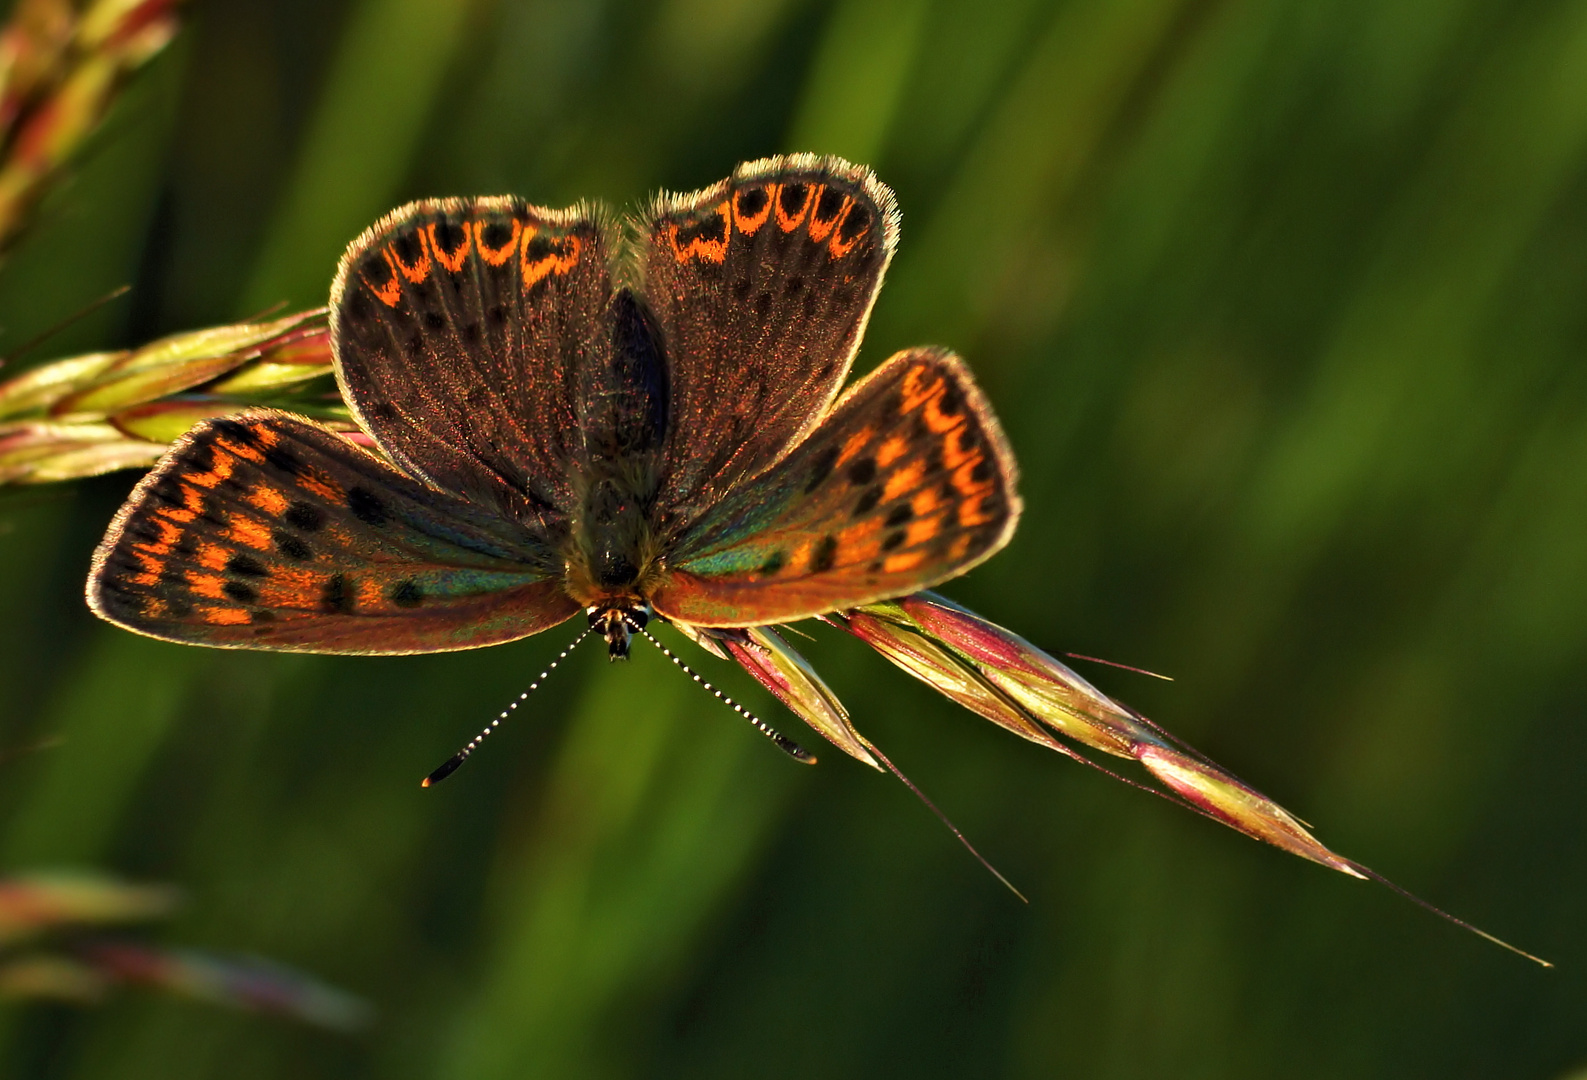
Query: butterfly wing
point(761, 286)
point(461, 328)
point(267, 532)
point(908, 482)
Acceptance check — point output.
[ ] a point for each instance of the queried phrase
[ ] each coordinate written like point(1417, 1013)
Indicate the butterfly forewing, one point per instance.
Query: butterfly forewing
point(461, 328)
point(267, 532)
point(907, 483)
point(761, 286)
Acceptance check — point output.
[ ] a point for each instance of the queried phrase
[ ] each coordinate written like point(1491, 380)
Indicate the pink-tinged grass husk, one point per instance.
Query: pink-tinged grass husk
point(97, 413)
point(1001, 676)
point(764, 653)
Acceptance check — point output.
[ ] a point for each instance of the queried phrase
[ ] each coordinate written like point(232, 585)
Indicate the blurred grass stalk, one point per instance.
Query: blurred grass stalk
point(54, 946)
point(60, 68)
point(104, 411)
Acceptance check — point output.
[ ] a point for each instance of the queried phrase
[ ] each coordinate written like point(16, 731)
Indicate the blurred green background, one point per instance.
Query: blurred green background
point(1284, 307)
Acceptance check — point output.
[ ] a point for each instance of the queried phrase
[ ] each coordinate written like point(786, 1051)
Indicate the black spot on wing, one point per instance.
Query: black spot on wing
point(337, 596)
point(862, 471)
point(284, 460)
point(821, 468)
point(825, 555)
point(243, 594)
point(494, 234)
point(367, 506)
point(752, 201)
point(246, 565)
point(304, 516)
point(792, 198)
point(857, 221)
point(292, 546)
point(407, 594)
point(828, 206)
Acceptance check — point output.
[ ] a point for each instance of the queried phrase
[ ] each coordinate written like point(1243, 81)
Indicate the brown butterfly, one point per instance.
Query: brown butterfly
point(633, 420)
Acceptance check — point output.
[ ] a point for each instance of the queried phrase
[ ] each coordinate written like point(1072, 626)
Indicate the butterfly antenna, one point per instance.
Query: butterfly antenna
point(456, 760)
point(954, 829)
point(784, 743)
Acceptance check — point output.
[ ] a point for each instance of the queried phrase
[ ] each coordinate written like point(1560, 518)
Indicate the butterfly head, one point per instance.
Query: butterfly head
point(617, 623)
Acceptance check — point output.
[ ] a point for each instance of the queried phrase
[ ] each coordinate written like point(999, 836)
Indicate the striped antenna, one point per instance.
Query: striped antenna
point(456, 760)
point(784, 743)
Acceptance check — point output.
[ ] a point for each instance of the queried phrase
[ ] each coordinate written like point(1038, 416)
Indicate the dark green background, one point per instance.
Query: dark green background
point(1284, 308)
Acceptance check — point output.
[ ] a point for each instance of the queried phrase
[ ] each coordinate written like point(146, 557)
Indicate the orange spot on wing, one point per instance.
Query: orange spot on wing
point(820, 230)
point(209, 585)
point(789, 221)
point(452, 260)
point(904, 480)
point(961, 460)
point(212, 556)
point(169, 535)
point(906, 560)
point(710, 248)
point(236, 450)
point(249, 533)
point(226, 616)
point(421, 266)
point(964, 481)
point(920, 383)
point(287, 588)
point(861, 541)
point(322, 487)
point(960, 547)
point(839, 246)
point(497, 256)
point(924, 502)
point(920, 530)
point(935, 418)
point(891, 450)
point(972, 511)
point(269, 500)
point(855, 443)
point(151, 568)
point(369, 597)
point(391, 291)
point(562, 255)
point(800, 557)
point(748, 224)
point(192, 505)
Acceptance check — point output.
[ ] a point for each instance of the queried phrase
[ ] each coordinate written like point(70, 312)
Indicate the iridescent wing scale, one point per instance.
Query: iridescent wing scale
point(264, 531)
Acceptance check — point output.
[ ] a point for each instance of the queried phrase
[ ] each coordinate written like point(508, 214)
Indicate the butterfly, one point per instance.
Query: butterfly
point(630, 419)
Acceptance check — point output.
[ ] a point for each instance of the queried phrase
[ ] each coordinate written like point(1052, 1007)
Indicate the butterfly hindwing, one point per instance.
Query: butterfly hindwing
point(461, 329)
point(908, 482)
point(264, 531)
point(761, 286)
